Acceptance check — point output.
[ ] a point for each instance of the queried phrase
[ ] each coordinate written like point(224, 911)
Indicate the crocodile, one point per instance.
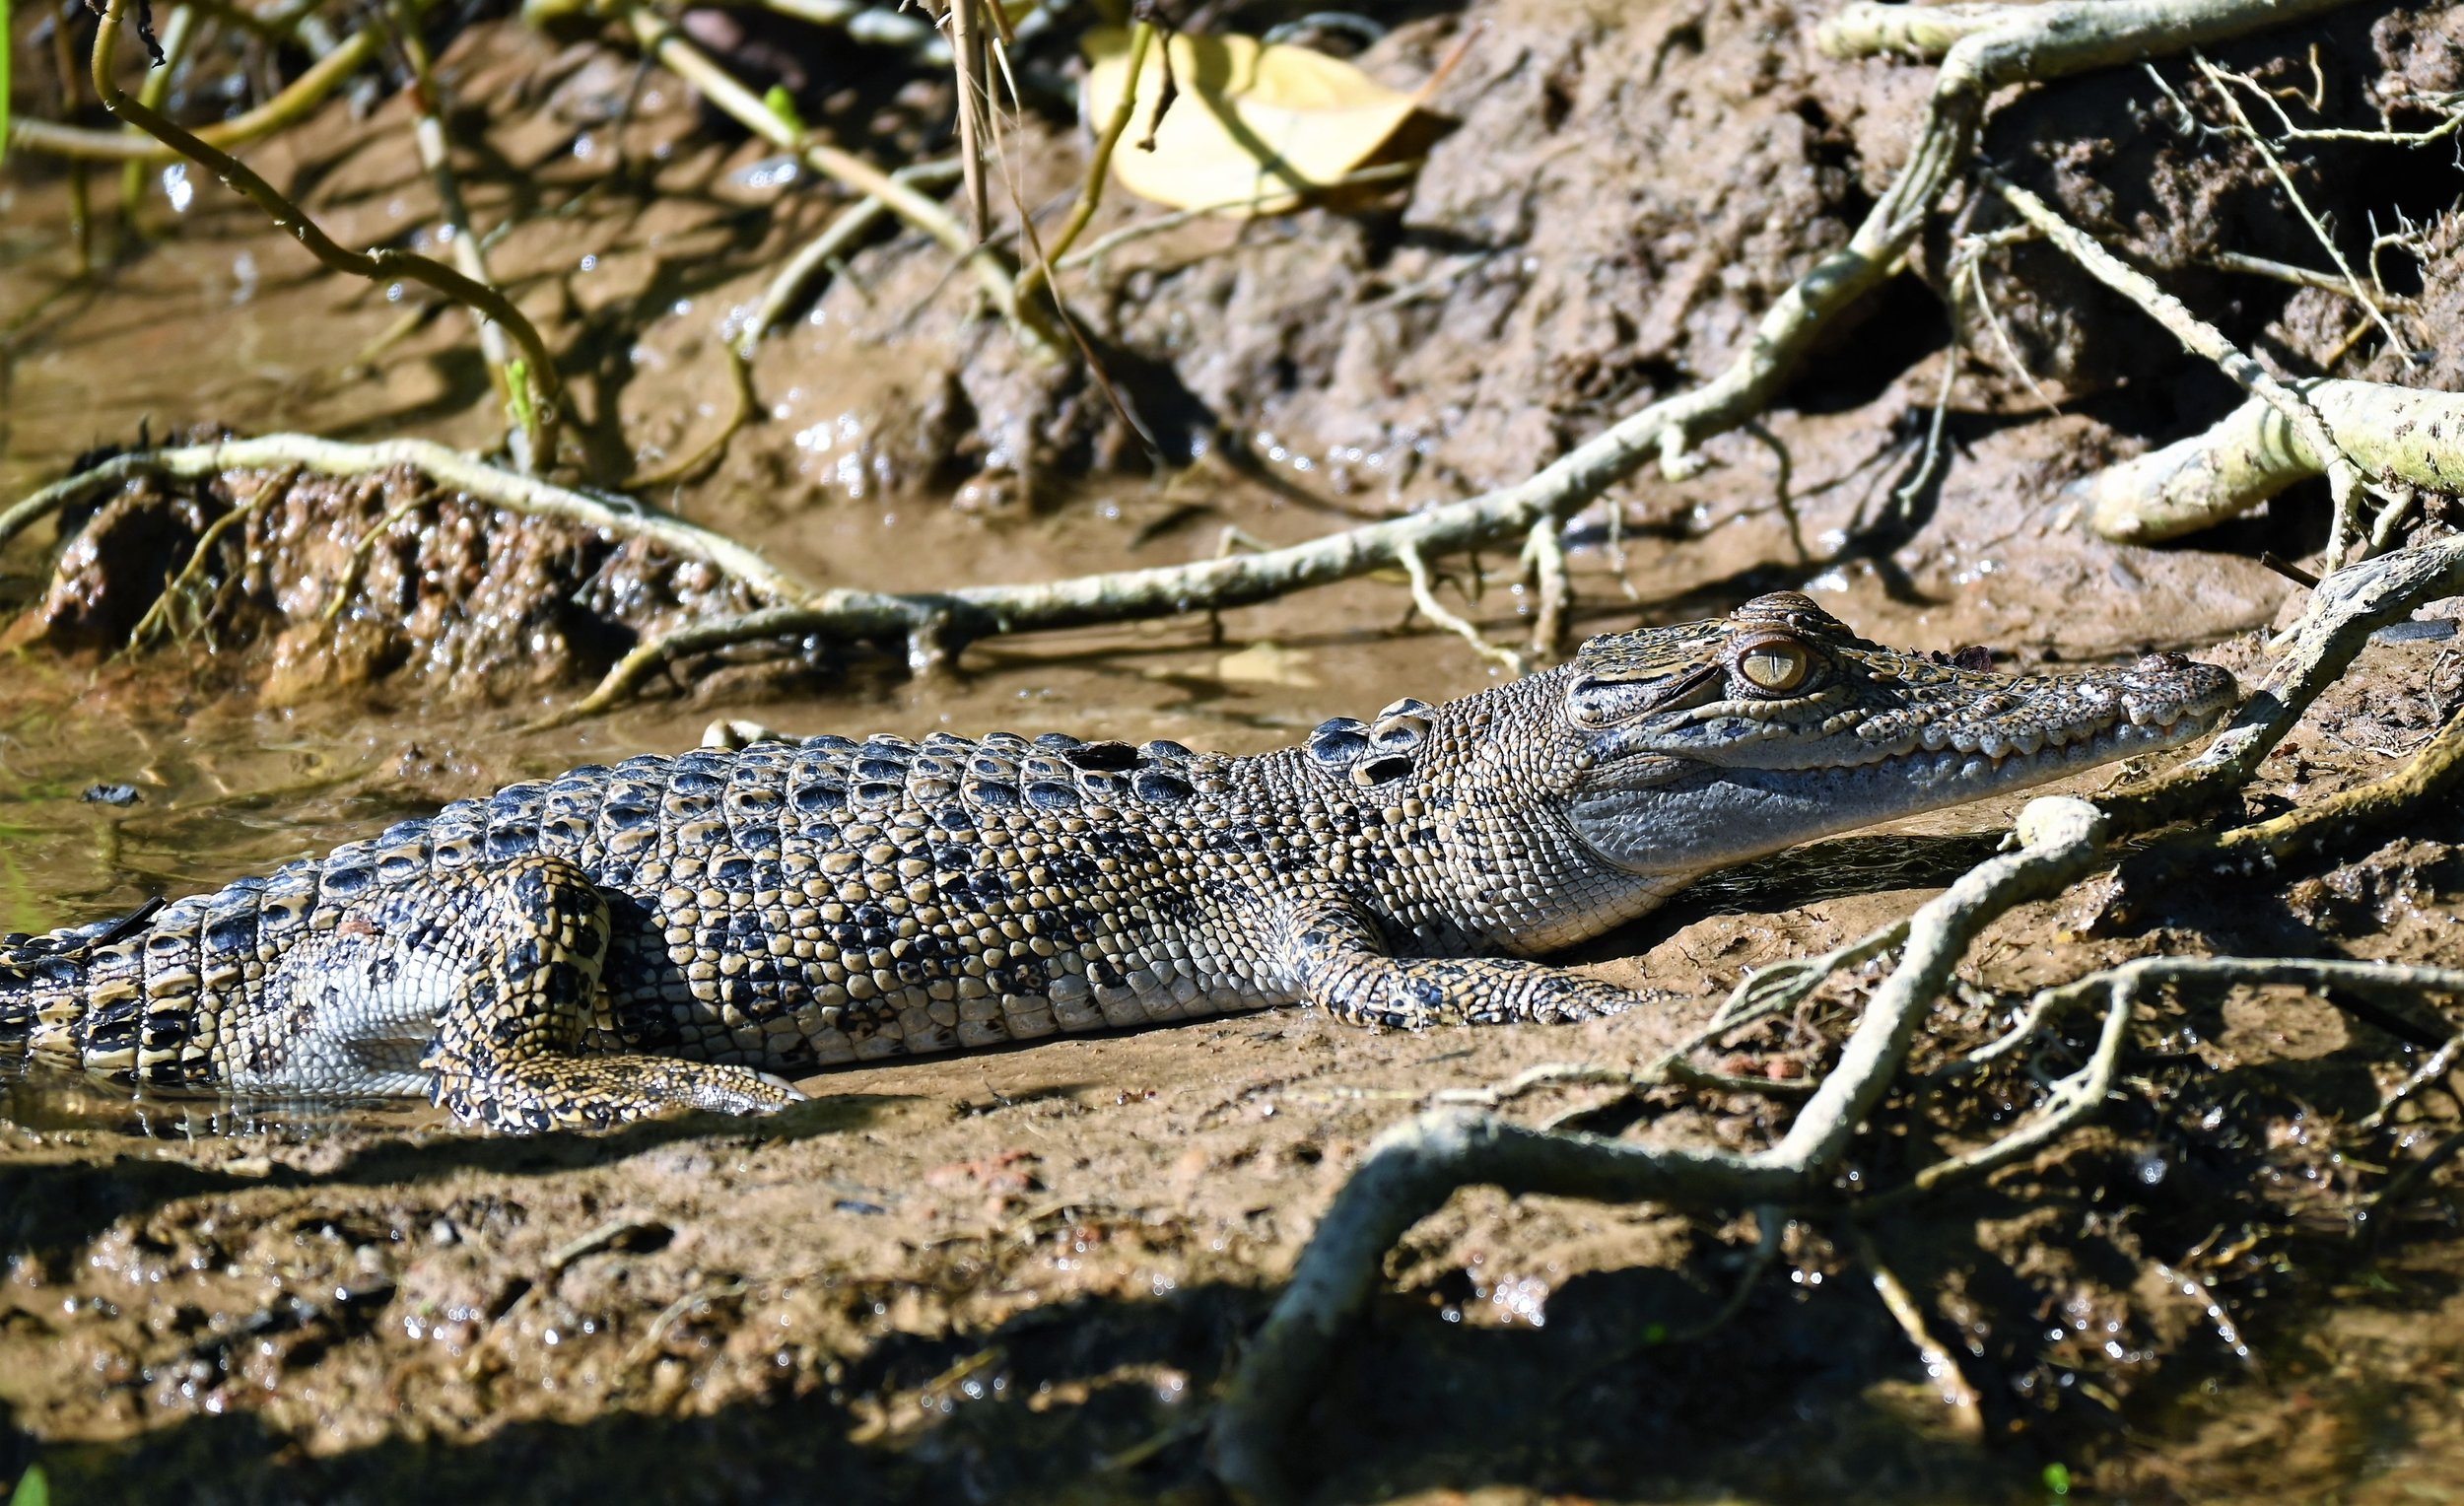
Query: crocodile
point(690, 931)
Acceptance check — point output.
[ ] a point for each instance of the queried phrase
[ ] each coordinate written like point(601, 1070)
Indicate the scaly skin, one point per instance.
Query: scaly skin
point(667, 932)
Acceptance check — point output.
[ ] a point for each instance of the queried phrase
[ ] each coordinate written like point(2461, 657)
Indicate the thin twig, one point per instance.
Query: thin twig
point(151, 149)
point(1099, 164)
point(157, 617)
point(836, 238)
point(2281, 271)
point(547, 389)
point(974, 125)
point(740, 413)
point(1968, 1416)
point(2201, 339)
point(531, 445)
point(2435, 1066)
point(661, 41)
point(156, 88)
point(1424, 597)
point(2222, 81)
point(357, 559)
point(1105, 245)
point(2002, 335)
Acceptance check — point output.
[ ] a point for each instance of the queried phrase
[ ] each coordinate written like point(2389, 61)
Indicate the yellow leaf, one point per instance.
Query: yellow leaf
point(1254, 125)
point(1266, 663)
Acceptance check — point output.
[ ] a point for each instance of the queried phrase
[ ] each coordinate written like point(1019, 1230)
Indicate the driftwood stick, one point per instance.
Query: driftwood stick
point(2397, 436)
point(441, 464)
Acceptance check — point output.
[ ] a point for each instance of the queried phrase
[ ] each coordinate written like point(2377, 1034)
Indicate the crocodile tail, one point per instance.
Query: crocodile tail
point(45, 979)
point(16, 997)
point(35, 971)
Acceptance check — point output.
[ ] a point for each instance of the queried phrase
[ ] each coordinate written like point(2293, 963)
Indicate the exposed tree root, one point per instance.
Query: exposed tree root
point(2345, 610)
point(2399, 437)
point(2204, 340)
point(441, 464)
point(1413, 1169)
point(1993, 47)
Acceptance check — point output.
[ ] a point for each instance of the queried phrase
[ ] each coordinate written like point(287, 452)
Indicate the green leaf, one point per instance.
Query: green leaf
point(782, 103)
point(517, 395)
point(33, 1489)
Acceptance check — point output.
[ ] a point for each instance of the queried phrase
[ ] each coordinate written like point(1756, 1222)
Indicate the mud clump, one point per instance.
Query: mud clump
point(303, 586)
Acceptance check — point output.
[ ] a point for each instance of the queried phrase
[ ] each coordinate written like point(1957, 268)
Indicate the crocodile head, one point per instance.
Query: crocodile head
point(1713, 742)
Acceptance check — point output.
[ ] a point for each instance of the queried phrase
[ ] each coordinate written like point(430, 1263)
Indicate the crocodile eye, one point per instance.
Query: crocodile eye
point(1775, 665)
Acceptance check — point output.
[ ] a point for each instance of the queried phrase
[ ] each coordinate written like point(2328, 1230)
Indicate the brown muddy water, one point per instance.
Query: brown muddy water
point(1020, 1274)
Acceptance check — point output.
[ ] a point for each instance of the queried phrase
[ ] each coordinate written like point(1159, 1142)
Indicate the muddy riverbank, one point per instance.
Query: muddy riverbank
point(1022, 1274)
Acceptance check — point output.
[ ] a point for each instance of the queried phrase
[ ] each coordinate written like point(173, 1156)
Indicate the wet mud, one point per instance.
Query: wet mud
point(1021, 1274)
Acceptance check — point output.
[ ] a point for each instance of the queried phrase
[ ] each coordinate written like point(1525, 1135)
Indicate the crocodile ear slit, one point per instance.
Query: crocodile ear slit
point(1599, 702)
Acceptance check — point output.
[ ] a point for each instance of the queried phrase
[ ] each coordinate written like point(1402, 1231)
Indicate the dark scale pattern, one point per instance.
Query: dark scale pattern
point(625, 940)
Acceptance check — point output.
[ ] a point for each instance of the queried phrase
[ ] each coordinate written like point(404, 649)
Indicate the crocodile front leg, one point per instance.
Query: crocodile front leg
point(478, 987)
point(1345, 969)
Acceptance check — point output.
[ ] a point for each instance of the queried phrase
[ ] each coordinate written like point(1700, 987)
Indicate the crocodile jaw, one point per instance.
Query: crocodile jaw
point(1709, 817)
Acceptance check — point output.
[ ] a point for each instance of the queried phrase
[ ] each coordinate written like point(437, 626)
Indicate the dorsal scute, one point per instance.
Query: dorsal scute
point(995, 772)
point(1368, 754)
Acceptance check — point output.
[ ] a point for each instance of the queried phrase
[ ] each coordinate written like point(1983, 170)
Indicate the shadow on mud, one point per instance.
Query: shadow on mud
point(1468, 1378)
point(49, 1210)
point(1102, 1399)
